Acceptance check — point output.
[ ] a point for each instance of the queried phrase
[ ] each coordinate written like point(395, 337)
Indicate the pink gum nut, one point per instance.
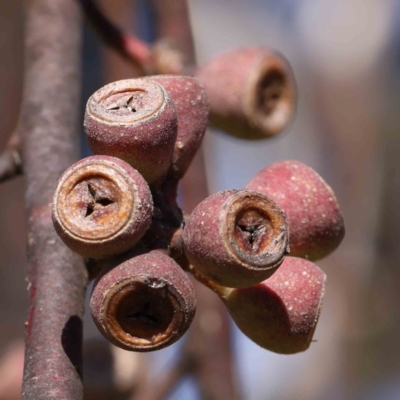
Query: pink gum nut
point(315, 222)
point(191, 105)
point(236, 238)
point(101, 207)
point(251, 92)
point(135, 120)
point(144, 304)
point(281, 313)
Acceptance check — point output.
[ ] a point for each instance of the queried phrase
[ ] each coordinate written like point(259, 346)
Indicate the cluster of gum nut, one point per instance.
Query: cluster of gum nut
point(118, 209)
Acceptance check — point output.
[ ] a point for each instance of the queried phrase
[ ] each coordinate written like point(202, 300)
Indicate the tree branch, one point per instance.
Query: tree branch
point(57, 278)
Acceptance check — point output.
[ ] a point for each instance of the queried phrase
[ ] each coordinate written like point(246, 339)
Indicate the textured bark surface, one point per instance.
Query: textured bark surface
point(56, 278)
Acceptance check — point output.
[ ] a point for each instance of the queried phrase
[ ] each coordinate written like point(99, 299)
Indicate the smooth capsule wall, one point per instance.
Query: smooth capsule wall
point(312, 211)
point(281, 313)
point(191, 105)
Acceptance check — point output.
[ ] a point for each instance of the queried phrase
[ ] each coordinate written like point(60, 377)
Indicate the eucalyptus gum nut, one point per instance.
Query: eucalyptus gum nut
point(134, 120)
point(281, 313)
point(144, 304)
point(312, 211)
point(252, 92)
point(191, 105)
point(101, 207)
point(236, 238)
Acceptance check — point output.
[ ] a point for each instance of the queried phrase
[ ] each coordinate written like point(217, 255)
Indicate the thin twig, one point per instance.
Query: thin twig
point(173, 52)
point(10, 160)
point(56, 277)
point(127, 45)
point(166, 56)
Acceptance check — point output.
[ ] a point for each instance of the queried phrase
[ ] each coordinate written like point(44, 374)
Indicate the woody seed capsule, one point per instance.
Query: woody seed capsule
point(135, 120)
point(251, 92)
point(281, 313)
point(101, 207)
point(191, 105)
point(236, 238)
point(144, 304)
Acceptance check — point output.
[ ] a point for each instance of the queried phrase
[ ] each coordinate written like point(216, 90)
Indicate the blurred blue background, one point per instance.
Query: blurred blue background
point(346, 60)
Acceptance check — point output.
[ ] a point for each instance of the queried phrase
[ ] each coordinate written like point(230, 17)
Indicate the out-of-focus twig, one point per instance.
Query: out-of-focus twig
point(166, 56)
point(174, 31)
point(128, 45)
point(164, 384)
point(10, 159)
point(11, 365)
point(57, 278)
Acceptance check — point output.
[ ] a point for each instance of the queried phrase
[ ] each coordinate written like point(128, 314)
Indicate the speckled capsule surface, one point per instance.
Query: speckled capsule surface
point(134, 120)
point(315, 222)
point(251, 91)
point(144, 304)
point(281, 313)
point(101, 207)
point(236, 238)
point(191, 105)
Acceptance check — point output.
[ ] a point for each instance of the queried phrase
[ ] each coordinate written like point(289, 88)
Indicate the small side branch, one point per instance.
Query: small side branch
point(174, 32)
point(10, 161)
point(127, 45)
point(166, 56)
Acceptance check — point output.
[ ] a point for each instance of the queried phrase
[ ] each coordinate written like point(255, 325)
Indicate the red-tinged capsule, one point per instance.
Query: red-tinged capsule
point(236, 238)
point(281, 313)
point(251, 91)
point(143, 304)
point(134, 120)
point(191, 105)
point(312, 211)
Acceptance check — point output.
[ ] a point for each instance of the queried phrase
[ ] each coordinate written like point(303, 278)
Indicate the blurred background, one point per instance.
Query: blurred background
point(346, 59)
